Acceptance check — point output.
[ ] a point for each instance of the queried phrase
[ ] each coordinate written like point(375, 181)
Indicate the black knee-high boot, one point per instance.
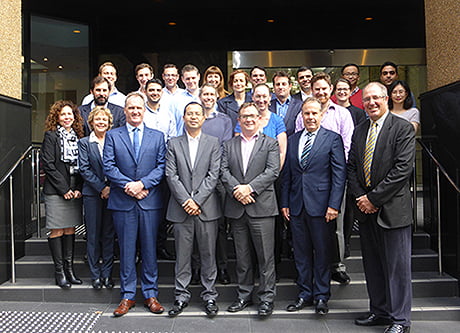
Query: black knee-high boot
point(55, 245)
point(68, 242)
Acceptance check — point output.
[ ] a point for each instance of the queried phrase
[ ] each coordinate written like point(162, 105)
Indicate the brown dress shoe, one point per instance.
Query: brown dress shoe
point(153, 305)
point(124, 307)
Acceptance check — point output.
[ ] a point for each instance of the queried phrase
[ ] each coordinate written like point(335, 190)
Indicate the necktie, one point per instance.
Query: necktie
point(136, 141)
point(369, 152)
point(306, 150)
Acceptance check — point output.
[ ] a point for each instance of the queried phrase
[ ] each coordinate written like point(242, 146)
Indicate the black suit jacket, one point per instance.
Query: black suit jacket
point(295, 105)
point(391, 168)
point(57, 179)
point(118, 115)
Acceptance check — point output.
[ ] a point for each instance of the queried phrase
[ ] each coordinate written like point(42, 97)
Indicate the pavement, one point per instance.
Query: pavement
point(48, 317)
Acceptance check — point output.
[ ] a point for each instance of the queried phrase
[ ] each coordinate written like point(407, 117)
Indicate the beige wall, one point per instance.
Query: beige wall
point(442, 19)
point(10, 48)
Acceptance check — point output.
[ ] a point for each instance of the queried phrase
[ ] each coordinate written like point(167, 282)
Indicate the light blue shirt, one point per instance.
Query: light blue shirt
point(177, 108)
point(161, 120)
point(281, 109)
point(131, 133)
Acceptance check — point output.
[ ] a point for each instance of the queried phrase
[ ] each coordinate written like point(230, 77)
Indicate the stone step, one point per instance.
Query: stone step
point(425, 284)
point(42, 265)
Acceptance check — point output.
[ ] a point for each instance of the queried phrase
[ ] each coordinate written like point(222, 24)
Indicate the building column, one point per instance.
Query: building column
point(10, 49)
point(442, 42)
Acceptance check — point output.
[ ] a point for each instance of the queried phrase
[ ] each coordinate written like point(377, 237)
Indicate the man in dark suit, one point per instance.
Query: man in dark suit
point(282, 103)
point(192, 171)
point(304, 76)
point(250, 166)
point(313, 182)
point(134, 162)
point(380, 165)
point(100, 88)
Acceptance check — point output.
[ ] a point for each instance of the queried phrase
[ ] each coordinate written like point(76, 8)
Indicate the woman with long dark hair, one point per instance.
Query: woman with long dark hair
point(401, 104)
point(62, 187)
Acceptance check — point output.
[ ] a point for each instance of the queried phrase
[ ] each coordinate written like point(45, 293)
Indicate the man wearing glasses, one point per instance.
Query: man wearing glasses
point(351, 73)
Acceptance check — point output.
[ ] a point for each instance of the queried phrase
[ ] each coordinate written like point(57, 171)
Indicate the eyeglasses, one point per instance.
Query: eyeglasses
point(384, 73)
point(350, 74)
point(249, 116)
point(398, 92)
point(375, 98)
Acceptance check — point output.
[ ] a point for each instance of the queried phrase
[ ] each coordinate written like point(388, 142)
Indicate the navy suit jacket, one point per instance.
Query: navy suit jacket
point(118, 114)
point(322, 183)
point(91, 168)
point(295, 106)
point(121, 167)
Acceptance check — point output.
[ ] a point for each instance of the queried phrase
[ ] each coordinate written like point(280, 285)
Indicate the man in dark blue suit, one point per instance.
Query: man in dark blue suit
point(313, 182)
point(134, 162)
point(100, 88)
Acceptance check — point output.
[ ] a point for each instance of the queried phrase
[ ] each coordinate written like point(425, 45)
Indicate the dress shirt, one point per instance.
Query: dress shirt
point(303, 138)
point(116, 97)
point(177, 106)
point(337, 119)
point(247, 145)
point(193, 146)
point(161, 120)
point(379, 122)
point(131, 133)
point(281, 108)
point(176, 92)
point(304, 95)
point(94, 138)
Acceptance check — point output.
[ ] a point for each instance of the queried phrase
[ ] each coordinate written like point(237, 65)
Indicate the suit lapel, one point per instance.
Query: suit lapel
point(124, 136)
point(380, 144)
point(201, 147)
point(146, 138)
point(237, 144)
point(93, 146)
point(254, 151)
point(186, 150)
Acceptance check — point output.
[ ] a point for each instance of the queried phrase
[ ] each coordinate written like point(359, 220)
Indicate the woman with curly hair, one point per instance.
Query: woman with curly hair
point(214, 77)
point(62, 187)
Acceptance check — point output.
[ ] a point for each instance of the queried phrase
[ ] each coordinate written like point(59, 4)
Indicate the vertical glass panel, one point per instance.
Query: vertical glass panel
point(59, 66)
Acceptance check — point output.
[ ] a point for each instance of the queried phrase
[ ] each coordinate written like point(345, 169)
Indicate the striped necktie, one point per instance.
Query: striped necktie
point(136, 141)
point(369, 152)
point(306, 150)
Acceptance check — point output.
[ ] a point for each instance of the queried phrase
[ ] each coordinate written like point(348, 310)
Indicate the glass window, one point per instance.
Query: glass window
point(59, 66)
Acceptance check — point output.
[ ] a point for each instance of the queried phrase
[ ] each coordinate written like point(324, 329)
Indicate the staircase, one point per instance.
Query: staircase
point(435, 296)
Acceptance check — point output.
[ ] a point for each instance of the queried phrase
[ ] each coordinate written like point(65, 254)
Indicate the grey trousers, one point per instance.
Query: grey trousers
point(205, 234)
point(261, 231)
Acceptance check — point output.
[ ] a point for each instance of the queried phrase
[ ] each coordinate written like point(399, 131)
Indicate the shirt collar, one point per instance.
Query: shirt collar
point(381, 120)
point(304, 133)
point(254, 137)
point(131, 127)
point(286, 102)
point(190, 138)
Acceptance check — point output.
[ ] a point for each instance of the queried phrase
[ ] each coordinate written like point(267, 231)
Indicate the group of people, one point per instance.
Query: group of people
point(256, 160)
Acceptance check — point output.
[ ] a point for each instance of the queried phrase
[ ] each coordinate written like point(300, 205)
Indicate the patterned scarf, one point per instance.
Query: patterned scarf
point(69, 147)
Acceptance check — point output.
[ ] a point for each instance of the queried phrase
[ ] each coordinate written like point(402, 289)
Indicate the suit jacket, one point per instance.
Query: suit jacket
point(193, 181)
point(229, 106)
point(262, 171)
point(391, 169)
point(57, 172)
point(121, 167)
point(118, 114)
point(295, 105)
point(91, 168)
point(322, 183)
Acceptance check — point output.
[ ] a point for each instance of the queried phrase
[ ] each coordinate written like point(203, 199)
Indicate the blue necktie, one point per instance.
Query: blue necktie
point(136, 142)
point(306, 150)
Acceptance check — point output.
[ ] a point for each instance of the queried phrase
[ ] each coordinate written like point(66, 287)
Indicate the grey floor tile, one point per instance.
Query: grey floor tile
point(220, 324)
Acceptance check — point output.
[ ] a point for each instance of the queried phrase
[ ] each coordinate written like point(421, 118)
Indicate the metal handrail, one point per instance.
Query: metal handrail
point(9, 176)
point(439, 169)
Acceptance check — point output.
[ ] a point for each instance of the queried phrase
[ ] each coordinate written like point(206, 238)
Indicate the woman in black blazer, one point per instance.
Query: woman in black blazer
point(100, 231)
point(62, 187)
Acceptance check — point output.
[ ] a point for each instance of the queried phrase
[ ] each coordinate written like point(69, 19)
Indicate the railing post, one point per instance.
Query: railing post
point(37, 191)
point(13, 256)
point(438, 204)
point(414, 196)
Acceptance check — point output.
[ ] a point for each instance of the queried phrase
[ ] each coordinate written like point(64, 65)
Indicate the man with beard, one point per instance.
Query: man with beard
point(100, 89)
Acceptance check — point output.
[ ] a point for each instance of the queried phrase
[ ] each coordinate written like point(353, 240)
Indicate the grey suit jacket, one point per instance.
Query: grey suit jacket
point(391, 168)
point(193, 181)
point(262, 171)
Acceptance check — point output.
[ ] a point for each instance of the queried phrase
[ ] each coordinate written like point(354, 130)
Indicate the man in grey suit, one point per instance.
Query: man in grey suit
point(250, 166)
point(379, 168)
point(192, 171)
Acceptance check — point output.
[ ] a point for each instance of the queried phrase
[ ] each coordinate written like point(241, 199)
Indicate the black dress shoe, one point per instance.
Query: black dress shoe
point(211, 308)
point(108, 282)
point(341, 277)
point(165, 255)
point(396, 328)
point(299, 304)
point(196, 278)
point(239, 305)
point(372, 320)
point(223, 277)
point(177, 308)
point(97, 284)
point(321, 307)
point(265, 309)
